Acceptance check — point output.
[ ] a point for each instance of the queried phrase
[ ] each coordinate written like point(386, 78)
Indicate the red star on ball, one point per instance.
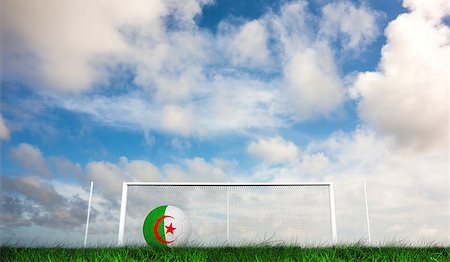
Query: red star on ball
point(170, 229)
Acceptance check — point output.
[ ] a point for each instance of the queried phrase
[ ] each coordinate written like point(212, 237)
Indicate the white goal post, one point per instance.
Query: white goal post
point(125, 186)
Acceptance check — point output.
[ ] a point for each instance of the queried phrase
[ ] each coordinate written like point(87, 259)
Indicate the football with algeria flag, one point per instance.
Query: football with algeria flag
point(166, 226)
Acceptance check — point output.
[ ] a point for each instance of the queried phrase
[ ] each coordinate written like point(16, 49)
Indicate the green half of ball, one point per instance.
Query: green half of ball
point(153, 228)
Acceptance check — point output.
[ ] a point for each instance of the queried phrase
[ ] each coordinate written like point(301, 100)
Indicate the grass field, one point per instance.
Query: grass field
point(259, 253)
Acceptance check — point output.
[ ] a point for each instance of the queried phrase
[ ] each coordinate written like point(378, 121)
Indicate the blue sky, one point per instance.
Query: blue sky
point(225, 90)
point(90, 140)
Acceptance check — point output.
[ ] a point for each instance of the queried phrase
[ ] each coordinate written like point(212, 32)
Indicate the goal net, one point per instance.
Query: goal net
point(235, 213)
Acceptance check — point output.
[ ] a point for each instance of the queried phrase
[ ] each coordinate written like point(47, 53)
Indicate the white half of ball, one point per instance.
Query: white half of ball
point(178, 228)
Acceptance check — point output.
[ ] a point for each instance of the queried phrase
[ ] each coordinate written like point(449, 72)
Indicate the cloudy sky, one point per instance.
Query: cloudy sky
point(201, 90)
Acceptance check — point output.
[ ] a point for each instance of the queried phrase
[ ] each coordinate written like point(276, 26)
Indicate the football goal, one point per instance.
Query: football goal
point(235, 213)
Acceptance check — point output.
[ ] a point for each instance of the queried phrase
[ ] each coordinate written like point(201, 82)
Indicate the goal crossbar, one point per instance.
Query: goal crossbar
point(125, 185)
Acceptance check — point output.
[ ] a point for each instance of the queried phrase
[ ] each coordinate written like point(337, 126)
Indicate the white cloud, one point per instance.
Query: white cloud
point(170, 67)
point(289, 28)
point(4, 130)
point(140, 170)
point(64, 43)
point(274, 150)
point(29, 200)
point(247, 46)
point(347, 149)
point(109, 176)
point(224, 163)
point(435, 11)
point(407, 98)
point(191, 77)
point(313, 165)
point(130, 111)
point(176, 120)
point(237, 105)
point(31, 159)
point(354, 27)
point(201, 170)
point(313, 86)
point(195, 169)
point(224, 105)
point(64, 167)
point(71, 41)
point(407, 189)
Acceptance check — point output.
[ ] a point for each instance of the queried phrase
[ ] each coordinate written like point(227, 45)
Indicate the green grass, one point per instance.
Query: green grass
point(257, 253)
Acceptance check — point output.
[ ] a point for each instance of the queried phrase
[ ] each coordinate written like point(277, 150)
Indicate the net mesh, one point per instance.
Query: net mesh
point(289, 215)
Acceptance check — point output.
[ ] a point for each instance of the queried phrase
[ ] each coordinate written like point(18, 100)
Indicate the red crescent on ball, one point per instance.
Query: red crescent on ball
point(155, 230)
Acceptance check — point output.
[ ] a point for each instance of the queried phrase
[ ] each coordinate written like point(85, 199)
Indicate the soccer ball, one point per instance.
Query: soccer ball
point(166, 226)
